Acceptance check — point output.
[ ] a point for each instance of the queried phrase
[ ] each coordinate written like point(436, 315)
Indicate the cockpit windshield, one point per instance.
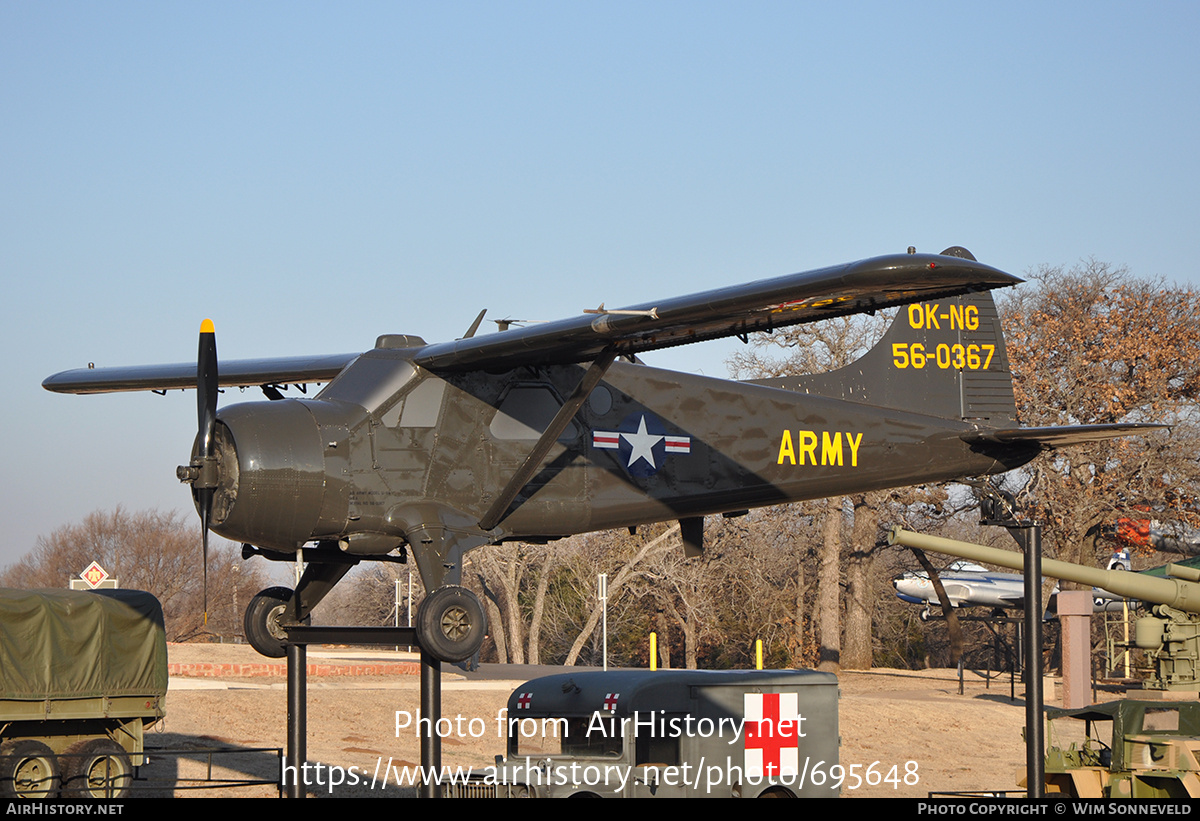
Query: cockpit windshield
point(370, 380)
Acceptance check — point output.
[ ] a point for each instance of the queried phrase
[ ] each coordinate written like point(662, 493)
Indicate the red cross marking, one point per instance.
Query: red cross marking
point(524, 700)
point(610, 702)
point(772, 734)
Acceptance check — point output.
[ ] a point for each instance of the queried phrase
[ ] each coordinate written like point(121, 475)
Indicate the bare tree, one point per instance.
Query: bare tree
point(756, 582)
point(152, 551)
point(367, 596)
point(500, 570)
point(1093, 344)
point(624, 573)
point(682, 589)
point(829, 611)
point(857, 652)
point(545, 574)
point(515, 580)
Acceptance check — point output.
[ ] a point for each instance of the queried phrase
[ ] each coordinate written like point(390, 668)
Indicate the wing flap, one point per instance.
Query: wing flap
point(240, 373)
point(857, 287)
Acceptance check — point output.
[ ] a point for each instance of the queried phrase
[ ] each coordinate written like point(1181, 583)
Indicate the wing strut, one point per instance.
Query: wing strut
point(496, 513)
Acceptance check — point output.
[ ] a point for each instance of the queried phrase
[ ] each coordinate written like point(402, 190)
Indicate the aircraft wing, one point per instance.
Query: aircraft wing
point(234, 373)
point(957, 593)
point(857, 287)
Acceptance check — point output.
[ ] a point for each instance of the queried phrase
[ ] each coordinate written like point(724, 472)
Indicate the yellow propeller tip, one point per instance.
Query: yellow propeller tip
point(207, 327)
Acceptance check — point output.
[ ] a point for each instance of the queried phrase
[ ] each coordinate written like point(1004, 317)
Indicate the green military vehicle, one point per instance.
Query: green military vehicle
point(668, 733)
point(1124, 749)
point(82, 674)
point(1128, 748)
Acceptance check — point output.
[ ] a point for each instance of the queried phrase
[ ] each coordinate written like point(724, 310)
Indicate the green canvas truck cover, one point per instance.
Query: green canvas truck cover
point(65, 644)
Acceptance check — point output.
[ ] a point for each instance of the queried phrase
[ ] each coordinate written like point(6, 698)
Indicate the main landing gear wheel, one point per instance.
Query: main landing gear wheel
point(97, 768)
point(451, 624)
point(28, 769)
point(264, 622)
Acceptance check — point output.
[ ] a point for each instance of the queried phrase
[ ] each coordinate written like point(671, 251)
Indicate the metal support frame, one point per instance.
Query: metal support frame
point(1029, 536)
point(298, 639)
point(297, 713)
point(999, 508)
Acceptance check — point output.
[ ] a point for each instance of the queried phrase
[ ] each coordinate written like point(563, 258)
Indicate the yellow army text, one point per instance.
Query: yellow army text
point(806, 443)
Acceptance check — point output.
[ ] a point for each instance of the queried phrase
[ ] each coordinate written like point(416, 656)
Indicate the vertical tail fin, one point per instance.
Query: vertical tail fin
point(943, 358)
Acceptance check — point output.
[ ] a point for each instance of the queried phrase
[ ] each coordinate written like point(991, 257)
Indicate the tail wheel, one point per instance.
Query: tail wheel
point(264, 622)
point(97, 768)
point(451, 624)
point(28, 769)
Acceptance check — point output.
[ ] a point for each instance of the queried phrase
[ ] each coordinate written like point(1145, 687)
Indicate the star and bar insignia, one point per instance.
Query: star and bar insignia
point(643, 443)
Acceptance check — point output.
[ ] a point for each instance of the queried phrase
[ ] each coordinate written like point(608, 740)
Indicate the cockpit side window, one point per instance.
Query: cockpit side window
point(421, 407)
point(526, 411)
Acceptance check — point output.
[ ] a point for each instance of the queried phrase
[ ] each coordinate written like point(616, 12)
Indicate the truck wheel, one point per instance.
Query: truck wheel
point(776, 792)
point(451, 624)
point(262, 623)
point(28, 769)
point(96, 768)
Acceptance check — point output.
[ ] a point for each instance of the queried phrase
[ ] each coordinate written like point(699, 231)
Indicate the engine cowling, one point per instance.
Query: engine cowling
point(271, 476)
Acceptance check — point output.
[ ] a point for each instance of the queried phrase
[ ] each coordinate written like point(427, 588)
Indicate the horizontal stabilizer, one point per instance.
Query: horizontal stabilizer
point(1056, 436)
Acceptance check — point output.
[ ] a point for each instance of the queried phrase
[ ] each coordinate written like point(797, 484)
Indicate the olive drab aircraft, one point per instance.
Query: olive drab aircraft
point(549, 430)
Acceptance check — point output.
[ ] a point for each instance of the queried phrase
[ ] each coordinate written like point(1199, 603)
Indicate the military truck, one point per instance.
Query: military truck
point(668, 733)
point(1124, 749)
point(82, 675)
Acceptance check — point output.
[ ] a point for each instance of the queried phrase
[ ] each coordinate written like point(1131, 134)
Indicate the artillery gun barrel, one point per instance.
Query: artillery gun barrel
point(1182, 595)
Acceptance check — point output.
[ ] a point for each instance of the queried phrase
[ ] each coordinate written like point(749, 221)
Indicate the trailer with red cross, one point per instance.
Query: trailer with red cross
point(668, 733)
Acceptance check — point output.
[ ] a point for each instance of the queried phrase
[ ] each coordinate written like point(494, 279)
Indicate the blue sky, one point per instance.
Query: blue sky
point(312, 175)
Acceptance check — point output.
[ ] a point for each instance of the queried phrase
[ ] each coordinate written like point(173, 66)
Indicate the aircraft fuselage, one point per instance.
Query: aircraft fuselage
point(647, 445)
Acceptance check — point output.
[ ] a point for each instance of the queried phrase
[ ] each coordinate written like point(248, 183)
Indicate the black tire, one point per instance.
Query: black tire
point(262, 622)
point(28, 769)
point(451, 624)
point(96, 768)
point(776, 792)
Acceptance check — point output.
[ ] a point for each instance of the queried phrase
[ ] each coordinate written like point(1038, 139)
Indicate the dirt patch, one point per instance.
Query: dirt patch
point(913, 721)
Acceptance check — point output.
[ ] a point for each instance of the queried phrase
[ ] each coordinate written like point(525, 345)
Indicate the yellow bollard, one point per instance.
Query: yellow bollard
point(758, 654)
point(654, 651)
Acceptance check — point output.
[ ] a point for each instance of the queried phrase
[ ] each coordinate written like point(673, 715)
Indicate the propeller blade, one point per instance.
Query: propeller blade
point(206, 386)
point(206, 412)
